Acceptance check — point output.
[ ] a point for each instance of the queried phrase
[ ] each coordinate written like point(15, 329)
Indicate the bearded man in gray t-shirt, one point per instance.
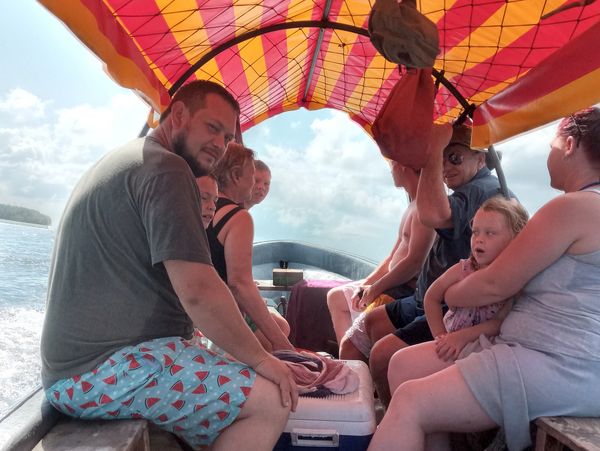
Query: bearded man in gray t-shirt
point(131, 277)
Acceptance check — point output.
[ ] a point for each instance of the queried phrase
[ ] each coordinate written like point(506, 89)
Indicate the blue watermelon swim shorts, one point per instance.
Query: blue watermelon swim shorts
point(176, 383)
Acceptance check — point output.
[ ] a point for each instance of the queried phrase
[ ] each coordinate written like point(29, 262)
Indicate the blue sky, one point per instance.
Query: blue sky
point(59, 113)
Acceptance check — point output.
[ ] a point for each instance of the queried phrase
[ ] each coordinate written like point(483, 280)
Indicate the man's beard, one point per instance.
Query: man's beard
point(180, 148)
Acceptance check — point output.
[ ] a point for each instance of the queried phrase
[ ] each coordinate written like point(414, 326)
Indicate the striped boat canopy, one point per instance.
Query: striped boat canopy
point(521, 63)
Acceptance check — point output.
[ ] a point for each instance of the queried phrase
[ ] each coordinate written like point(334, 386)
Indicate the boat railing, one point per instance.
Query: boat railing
point(348, 265)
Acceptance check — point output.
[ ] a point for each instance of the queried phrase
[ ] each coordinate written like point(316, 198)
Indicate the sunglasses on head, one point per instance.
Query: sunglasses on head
point(578, 127)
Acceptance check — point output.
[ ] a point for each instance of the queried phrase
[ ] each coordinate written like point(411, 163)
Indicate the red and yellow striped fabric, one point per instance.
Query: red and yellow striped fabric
point(280, 55)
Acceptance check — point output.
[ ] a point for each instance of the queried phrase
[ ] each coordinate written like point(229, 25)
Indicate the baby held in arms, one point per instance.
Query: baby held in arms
point(495, 224)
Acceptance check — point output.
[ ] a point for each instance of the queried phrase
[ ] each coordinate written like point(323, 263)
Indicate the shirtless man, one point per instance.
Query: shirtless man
point(396, 274)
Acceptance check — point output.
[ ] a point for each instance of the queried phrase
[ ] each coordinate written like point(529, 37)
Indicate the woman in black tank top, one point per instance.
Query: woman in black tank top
point(230, 235)
point(217, 250)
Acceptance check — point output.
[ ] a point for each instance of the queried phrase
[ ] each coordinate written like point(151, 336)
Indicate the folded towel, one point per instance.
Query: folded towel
point(316, 375)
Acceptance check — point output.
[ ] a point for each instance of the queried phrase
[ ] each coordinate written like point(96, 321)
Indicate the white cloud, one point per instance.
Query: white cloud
point(330, 185)
point(265, 131)
point(22, 105)
point(333, 189)
point(524, 164)
point(41, 162)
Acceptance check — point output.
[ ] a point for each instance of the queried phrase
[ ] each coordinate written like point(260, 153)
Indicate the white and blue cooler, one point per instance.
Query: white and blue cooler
point(344, 422)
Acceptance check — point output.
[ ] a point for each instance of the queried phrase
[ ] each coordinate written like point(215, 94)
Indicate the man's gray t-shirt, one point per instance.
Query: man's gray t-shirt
point(108, 287)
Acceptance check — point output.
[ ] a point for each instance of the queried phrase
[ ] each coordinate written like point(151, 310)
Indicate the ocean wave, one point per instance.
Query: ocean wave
point(19, 353)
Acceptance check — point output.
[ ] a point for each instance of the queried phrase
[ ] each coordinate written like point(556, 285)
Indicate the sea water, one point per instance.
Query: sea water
point(25, 253)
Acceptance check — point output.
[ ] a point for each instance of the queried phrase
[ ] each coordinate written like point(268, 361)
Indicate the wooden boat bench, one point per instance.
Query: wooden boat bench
point(122, 435)
point(36, 425)
point(563, 433)
point(108, 435)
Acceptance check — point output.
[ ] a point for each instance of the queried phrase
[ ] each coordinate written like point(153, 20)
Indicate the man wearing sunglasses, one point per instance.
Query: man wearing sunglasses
point(453, 164)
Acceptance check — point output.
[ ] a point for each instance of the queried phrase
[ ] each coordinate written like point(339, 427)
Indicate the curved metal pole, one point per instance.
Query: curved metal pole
point(495, 162)
point(313, 62)
point(144, 130)
point(322, 24)
point(254, 33)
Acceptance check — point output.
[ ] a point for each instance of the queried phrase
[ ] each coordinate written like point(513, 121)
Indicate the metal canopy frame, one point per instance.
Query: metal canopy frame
point(323, 25)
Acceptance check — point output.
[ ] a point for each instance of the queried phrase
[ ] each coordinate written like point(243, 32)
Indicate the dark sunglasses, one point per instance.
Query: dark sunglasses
point(455, 159)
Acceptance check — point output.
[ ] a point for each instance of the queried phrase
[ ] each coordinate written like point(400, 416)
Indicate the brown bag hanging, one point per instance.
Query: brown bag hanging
point(403, 125)
point(402, 34)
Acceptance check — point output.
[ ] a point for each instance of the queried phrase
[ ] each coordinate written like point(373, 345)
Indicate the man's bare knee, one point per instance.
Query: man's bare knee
point(377, 323)
point(377, 359)
point(382, 353)
point(260, 422)
point(264, 402)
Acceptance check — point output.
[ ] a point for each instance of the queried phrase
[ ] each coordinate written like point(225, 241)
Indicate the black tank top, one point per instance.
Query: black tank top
point(217, 250)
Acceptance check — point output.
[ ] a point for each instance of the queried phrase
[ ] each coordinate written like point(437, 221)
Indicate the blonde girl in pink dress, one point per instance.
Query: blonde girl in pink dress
point(495, 224)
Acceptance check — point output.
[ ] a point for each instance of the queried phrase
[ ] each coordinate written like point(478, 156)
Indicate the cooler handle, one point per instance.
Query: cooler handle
point(326, 438)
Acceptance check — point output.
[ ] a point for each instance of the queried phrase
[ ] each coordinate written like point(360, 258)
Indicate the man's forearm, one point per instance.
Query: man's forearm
point(211, 307)
point(433, 206)
point(402, 273)
point(379, 272)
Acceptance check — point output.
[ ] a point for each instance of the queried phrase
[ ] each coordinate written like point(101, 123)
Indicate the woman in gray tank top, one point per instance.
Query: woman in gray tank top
point(546, 360)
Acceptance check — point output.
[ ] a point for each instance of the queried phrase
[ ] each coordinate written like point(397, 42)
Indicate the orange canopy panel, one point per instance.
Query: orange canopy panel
point(279, 55)
point(568, 80)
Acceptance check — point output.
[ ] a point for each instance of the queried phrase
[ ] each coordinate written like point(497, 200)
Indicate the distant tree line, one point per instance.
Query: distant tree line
point(22, 214)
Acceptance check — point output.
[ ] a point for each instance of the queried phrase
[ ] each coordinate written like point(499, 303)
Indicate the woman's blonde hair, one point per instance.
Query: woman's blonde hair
point(235, 158)
point(515, 214)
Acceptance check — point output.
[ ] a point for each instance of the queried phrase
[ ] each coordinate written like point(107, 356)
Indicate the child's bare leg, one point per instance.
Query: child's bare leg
point(426, 406)
point(356, 344)
point(340, 312)
point(379, 360)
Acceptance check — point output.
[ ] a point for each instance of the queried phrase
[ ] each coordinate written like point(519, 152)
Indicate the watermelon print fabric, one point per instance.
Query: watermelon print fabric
point(177, 384)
